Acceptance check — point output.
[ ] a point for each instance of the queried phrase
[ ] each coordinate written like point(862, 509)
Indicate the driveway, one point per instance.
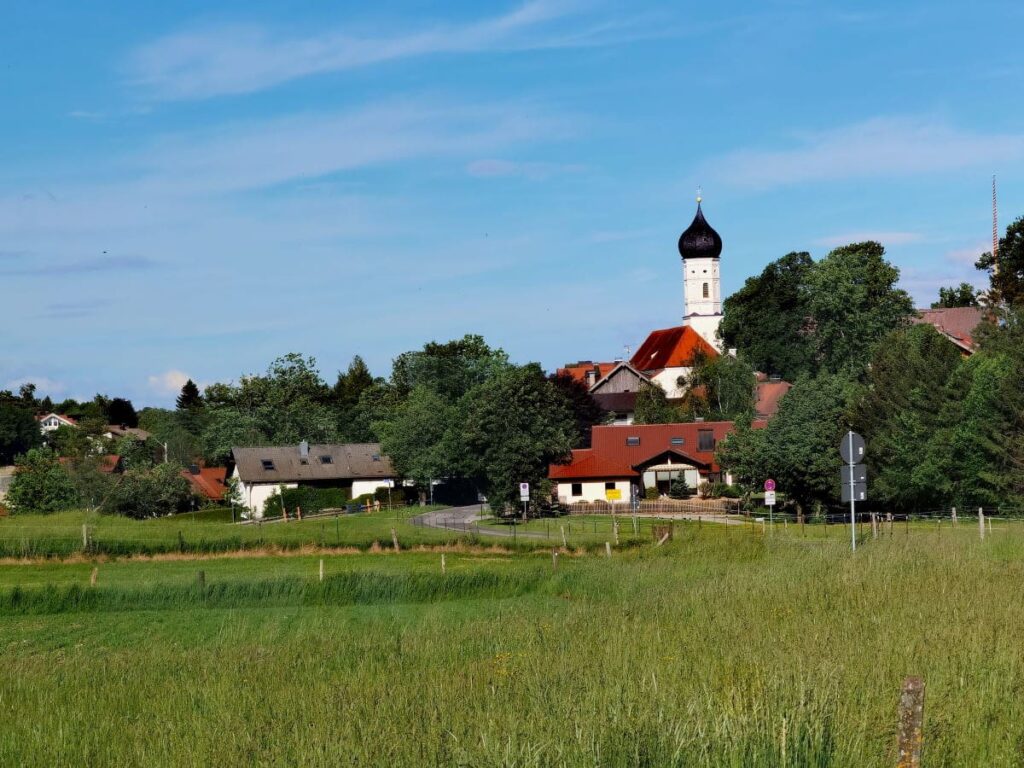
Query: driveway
point(468, 519)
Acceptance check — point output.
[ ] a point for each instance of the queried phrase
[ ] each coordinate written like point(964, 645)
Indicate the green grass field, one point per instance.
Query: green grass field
point(718, 648)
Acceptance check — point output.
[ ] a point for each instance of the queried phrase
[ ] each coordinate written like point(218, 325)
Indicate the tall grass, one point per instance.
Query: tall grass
point(708, 651)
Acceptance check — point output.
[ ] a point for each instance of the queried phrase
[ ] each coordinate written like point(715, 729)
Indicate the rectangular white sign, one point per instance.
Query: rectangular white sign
point(769, 498)
point(524, 491)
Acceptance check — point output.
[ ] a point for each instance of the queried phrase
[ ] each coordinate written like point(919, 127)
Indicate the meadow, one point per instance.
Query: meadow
point(719, 648)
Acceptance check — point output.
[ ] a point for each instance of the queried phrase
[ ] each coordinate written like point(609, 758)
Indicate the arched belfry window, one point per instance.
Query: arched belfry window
point(705, 290)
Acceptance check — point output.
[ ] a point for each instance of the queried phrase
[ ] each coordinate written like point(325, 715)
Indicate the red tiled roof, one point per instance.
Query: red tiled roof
point(670, 348)
point(956, 323)
point(579, 371)
point(211, 482)
point(768, 395)
point(611, 457)
point(109, 462)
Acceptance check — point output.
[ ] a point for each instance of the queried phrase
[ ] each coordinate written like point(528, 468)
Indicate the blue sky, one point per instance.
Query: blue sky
point(194, 189)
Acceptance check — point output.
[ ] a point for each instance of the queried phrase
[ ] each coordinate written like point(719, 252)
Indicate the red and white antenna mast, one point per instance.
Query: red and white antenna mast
point(995, 230)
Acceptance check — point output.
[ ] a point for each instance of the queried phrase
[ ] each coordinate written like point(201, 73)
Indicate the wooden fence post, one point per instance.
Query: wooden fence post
point(910, 737)
point(443, 570)
point(608, 549)
point(394, 539)
point(321, 569)
point(85, 536)
point(554, 559)
point(95, 575)
point(564, 542)
point(981, 522)
point(201, 580)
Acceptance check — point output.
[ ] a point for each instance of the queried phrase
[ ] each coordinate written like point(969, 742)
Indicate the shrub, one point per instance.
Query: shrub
point(707, 490)
point(152, 492)
point(651, 493)
point(395, 495)
point(41, 484)
point(679, 489)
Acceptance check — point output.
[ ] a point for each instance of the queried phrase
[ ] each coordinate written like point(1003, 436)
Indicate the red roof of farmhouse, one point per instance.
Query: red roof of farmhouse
point(956, 323)
point(579, 371)
point(210, 482)
point(65, 417)
point(612, 453)
point(671, 348)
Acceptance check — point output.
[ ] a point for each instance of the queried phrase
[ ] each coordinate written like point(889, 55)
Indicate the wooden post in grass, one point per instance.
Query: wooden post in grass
point(615, 528)
point(95, 575)
point(201, 580)
point(981, 523)
point(662, 540)
point(394, 539)
point(554, 559)
point(443, 569)
point(952, 514)
point(608, 549)
point(298, 513)
point(910, 735)
point(564, 542)
point(874, 525)
point(321, 569)
point(85, 537)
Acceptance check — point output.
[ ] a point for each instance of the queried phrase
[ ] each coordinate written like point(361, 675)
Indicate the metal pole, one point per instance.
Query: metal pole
point(853, 504)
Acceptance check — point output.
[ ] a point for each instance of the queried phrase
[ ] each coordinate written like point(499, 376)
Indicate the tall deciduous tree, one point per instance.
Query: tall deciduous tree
point(853, 301)
point(121, 411)
point(41, 484)
point(413, 437)
point(767, 319)
point(19, 430)
point(719, 388)
point(451, 369)
point(586, 412)
point(652, 406)
point(899, 409)
point(508, 429)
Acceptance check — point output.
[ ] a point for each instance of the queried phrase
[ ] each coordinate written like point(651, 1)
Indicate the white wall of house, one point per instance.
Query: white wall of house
point(52, 423)
point(359, 487)
point(590, 490)
point(667, 380)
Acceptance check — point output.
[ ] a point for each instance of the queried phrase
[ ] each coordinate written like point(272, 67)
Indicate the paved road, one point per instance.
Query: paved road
point(467, 519)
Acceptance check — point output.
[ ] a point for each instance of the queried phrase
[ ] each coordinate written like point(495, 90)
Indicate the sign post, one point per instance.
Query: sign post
point(853, 478)
point(524, 496)
point(769, 500)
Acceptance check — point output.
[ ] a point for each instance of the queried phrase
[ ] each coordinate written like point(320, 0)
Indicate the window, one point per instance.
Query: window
point(677, 441)
point(375, 457)
point(326, 460)
point(577, 489)
point(268, 465)
point(609, 486)
point(706, 440)
point(304, 462)
point(633, 440)
point(706, 294)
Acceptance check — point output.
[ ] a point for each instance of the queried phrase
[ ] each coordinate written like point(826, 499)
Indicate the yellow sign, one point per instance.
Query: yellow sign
point(613, 494)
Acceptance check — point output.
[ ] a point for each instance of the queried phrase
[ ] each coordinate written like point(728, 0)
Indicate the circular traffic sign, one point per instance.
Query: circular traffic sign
point(769, 484)
point(851, 448)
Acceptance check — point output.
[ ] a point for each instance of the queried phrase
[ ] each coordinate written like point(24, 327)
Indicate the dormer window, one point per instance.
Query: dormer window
point(268, 465)
point(326, 459)
point(634, 441)
point(677, 441)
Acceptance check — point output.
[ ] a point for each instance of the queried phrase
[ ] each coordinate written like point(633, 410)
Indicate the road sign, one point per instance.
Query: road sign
point(851, 448)
point(613, 494)
point(769, 498)
point(853, 473)
point(856, 492)
point(524, 491)
point(769, 484)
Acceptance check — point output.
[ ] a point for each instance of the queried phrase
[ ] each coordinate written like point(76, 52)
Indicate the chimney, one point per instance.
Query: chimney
point(304, 450)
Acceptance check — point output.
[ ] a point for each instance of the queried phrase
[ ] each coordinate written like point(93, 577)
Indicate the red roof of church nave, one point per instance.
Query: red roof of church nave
point(671, 348)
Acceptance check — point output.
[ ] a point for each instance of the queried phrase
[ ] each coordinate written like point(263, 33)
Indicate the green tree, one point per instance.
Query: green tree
point(189, 398)
point(1006, 273)
point(586, 412)
point(19, 431)
point(413, 437)
point(719, 388)
point(121, 411)
point(899, 408)
point(652, 406)
point(508, 429)
point(451, 369)
point(41, 484)
point(853, 301)
point(70, 442)
point(767, 319)
point(351, 384)
point(679, 489)
point(154, 492)
point(963, 295)
point(799, 446)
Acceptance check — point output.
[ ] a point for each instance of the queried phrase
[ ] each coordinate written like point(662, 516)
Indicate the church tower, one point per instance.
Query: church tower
point(700, 246)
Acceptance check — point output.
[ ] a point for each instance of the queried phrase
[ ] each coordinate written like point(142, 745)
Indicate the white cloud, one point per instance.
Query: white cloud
point(234, 59)
point(493, 168)
point(883, 147)
point(968, 255)
point(885, 238)
point(169, 382)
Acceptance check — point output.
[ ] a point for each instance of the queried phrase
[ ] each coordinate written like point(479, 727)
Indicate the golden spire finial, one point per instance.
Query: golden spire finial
point(700, 195)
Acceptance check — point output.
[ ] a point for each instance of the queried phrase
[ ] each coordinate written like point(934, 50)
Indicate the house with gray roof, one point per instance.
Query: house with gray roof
point(262, 470)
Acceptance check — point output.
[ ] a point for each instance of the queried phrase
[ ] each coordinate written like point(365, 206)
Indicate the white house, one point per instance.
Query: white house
point(51, 422)
point(262, 471)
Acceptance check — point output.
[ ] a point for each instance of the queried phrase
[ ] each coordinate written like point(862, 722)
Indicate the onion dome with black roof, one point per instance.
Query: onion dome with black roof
point(700, 241)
